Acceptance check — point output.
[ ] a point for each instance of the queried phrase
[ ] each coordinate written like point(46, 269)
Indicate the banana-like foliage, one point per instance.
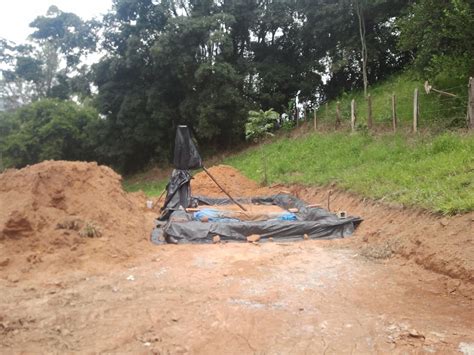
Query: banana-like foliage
point(260, 124)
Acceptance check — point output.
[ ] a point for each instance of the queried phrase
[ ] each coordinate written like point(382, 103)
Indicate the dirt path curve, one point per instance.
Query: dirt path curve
point(304, 297)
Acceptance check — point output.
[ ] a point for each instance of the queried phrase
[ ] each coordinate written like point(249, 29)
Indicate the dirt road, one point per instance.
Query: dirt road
point(304, 297)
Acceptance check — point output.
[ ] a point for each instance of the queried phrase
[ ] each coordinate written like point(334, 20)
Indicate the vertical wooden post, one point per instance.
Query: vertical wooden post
point(394, 112)
point(315, 120)
point(338, 114)
point(470, 105)
point(416, 110)
point(297, 114)
point(369, 112)
point(353, 115)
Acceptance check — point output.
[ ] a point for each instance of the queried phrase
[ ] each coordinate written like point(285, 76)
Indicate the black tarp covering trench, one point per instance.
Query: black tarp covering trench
point(315, 222)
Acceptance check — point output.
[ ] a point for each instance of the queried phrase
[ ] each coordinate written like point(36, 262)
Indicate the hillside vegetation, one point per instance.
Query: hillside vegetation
point(428, 170)
point(207, 64)
point(437, 112)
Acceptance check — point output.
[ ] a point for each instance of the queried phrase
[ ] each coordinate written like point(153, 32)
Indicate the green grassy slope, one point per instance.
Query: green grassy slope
point(436, 112)
point(150, 188)
point(433, 172)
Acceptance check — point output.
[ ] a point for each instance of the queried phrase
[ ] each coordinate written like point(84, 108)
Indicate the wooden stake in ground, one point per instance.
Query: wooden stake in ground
point(315, 120)
point(394, 112)
point(338, 114)
point(353, 116)
point(470, 105)
point(222, 189)
point(369, 112)
point(416, 110)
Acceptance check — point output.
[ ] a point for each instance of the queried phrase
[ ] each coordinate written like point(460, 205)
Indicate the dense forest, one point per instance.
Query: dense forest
point(207, 63)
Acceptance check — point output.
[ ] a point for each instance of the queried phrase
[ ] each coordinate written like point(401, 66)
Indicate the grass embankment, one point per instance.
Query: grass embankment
point(432, 172)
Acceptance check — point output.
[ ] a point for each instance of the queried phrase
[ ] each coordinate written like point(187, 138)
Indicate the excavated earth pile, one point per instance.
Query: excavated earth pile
point(231, 179)
point(59, 207)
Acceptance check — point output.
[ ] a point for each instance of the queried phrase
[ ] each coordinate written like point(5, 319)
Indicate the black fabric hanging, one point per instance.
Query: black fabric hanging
point(186, 155)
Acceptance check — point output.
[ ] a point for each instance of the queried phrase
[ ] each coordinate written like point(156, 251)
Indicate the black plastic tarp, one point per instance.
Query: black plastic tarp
point(178, 193)
point(186, 155)
point(315, 222)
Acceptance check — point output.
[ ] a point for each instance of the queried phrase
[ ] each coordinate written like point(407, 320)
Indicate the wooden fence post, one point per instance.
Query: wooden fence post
point(338, 114)
point(353, 115)
point(394, 112)
point(297, 116)
point(369, 112)
point(470, 105)
point(315, 120)
point(416, 110)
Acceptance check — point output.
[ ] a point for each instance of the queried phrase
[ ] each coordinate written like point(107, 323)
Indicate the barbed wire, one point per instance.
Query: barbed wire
point(455, 87)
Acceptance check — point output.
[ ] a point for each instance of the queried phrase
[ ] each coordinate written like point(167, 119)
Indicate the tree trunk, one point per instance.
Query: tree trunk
point(360, 15)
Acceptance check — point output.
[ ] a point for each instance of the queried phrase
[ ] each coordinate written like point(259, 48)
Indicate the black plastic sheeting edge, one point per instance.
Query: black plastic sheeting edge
point(315, 222)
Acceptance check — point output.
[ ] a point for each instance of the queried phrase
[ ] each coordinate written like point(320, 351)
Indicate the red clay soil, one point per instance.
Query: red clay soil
point(230, 179)
point(441, 244)
point(62, 291)
point(57, 215)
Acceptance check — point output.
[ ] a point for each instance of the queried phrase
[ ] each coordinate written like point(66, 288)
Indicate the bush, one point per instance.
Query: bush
point(47, 129)
point(260, 124)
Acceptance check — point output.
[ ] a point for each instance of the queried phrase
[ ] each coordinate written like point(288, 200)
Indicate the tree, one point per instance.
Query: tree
point(260, 124)
point(206, 63)
point(20, 79)
point(359, 6)
point(331, 34)
point(48, 129)
point(440, 36)
point(169, 63)
point(50, 65)
point(66, 34)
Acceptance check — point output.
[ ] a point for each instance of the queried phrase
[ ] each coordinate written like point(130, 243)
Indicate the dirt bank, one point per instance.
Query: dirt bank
point(441, 244)
point(230, 179)
point(56, 215)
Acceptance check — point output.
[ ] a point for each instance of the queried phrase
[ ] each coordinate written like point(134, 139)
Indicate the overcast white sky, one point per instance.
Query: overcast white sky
point(16, 15)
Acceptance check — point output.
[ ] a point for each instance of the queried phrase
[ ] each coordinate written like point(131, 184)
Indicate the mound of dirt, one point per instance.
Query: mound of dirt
point(231, 179)
point(70, 206)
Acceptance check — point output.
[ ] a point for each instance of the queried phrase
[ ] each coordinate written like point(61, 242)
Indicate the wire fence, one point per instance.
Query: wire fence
point(430, 108)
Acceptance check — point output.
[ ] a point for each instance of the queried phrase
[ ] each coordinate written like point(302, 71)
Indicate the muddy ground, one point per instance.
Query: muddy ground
point(403, 283)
